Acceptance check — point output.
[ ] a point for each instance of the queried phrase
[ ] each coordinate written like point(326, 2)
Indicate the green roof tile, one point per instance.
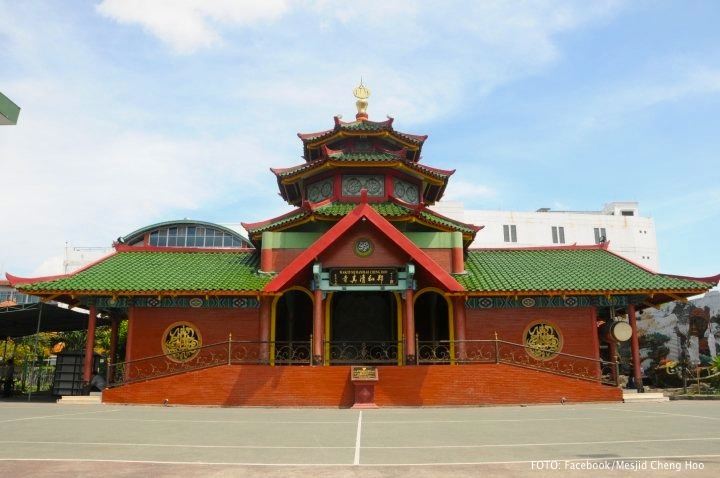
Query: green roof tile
point(377, 156)
point(387, 209)
point(567, 270)
point(443, 221)
point(151, 271)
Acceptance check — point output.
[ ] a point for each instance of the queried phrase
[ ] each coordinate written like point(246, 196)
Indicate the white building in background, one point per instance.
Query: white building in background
point(631, 235)
point(77, 257)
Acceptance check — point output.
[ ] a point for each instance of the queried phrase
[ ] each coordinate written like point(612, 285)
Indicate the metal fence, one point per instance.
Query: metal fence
point(500, 351)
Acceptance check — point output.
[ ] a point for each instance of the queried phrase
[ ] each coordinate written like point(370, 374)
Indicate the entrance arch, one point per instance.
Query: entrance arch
point(363, 327)
point(434, 326)
point(292, 326)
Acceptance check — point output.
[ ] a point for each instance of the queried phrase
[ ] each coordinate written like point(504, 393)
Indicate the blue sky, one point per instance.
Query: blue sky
point(138, 111)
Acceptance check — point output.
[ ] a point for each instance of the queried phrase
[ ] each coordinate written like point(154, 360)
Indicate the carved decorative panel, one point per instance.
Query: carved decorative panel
point(406, 191)
point(320, 190)
point(352, 184)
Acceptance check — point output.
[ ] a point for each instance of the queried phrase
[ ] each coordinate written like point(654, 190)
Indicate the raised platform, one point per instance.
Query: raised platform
point(298, 386)
point(632, 396)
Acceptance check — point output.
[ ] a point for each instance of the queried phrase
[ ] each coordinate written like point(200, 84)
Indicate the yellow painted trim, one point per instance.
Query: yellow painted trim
point(399, 319)
point(343, 134)
point(451, 317)
point(328, 324)
point(273, 316)
point(428, 177)
point(527, 293)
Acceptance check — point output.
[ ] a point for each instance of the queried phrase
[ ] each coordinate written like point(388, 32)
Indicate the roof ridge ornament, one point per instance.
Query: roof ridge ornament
point(362, 93)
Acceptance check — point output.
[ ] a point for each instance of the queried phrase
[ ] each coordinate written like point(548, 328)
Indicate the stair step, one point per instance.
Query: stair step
point(644, 397)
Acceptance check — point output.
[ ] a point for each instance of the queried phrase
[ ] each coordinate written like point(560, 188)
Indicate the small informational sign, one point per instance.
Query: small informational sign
point(355, 277)
point(363, 373)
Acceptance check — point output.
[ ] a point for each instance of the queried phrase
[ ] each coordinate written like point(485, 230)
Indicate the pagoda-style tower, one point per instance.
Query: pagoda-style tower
point(361, 155)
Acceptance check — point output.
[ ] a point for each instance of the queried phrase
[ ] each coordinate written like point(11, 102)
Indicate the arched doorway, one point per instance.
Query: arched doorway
point(363, 328)
point(433, 327)
point(292, 327)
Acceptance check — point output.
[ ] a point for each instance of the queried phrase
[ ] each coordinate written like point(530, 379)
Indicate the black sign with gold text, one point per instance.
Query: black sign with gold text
point(359, 277)
point(363, 373)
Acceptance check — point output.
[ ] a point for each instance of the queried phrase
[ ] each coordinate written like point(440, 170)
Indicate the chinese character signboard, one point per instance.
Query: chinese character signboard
point(351, 277)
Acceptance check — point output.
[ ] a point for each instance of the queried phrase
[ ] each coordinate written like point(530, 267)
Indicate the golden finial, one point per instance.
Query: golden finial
point(362, 93)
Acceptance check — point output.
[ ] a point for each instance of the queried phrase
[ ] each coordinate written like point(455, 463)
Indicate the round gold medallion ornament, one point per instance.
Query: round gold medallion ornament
point(543, 341)
point(181, 342)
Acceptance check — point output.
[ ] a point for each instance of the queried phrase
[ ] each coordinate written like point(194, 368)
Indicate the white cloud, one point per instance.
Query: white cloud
point(468, 192)
point(94, 160)
point(188, 25)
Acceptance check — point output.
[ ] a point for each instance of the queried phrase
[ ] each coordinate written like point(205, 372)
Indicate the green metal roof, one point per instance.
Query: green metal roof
point(564, 270)
point(153, 271)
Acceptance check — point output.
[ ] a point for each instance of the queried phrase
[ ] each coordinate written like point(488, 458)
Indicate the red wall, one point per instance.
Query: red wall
point(342, 252)
point(258, 385)
point(148, 325)
point(577, 326)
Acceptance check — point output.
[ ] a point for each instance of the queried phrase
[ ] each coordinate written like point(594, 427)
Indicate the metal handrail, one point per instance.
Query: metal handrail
point(363, 351)
point(494, 351)
point(360, 352)
point(210, 355)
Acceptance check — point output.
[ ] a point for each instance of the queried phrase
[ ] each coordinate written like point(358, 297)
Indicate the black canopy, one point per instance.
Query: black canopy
point(22, 320)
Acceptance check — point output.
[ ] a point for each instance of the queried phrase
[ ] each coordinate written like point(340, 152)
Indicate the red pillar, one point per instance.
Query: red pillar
point(130, 333)
point(458, 260)
point(635, 347)
point(113, 344)
point(264, 332)
point(459, 316)
point(409, 327)
point(318, 327)
point(89, 345)
point(612, 350)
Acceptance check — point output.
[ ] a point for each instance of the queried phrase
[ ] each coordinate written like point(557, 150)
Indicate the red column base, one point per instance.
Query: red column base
point(364, 394)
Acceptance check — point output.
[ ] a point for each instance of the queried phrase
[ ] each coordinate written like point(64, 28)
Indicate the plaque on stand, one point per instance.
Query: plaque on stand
point(364, 379)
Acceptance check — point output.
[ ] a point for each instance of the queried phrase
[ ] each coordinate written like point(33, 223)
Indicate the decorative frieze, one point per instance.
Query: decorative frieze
point(544, 302)
point(188, 302)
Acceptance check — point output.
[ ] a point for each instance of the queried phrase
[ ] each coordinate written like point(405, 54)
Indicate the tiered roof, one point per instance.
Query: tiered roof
point(393, 210)
point(360, 127)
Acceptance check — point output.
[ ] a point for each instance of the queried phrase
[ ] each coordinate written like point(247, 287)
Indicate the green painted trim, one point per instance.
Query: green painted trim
point(289, 240)
point(434, 240)
point(9, 111)
point(457, 240)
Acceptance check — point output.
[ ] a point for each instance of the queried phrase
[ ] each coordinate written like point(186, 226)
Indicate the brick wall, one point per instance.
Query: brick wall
point(577, 326)
point(149, 324)
point(257, 385)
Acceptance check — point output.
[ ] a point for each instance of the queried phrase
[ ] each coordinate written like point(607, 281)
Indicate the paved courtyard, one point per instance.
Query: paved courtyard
point(44, 439)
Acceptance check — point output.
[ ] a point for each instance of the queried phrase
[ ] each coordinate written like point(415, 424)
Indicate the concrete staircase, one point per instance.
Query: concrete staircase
point(632, 396)
point(95, 398)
